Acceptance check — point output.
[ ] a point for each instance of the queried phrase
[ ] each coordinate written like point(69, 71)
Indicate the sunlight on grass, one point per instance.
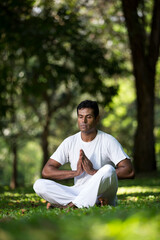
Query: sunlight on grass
point(138, 189)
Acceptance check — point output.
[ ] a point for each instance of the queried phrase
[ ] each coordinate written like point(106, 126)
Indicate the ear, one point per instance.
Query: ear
point(97, 119)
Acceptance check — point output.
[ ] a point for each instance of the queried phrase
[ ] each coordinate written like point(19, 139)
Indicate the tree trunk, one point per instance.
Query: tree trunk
point(144, 152)
point(45, 144)
point(145, 53)
point(63, 101)
point(45, 133)
point(13, 182)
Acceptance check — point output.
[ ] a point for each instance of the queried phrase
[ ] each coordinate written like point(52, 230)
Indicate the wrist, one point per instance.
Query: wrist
point(77, 173)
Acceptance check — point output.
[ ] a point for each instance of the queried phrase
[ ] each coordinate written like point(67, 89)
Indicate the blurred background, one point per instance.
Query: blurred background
point(54, 54)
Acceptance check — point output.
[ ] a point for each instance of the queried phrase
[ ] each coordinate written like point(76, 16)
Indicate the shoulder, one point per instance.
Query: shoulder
point(106, 136)
point(108, 140)
point(67, 143)
point(71, 138)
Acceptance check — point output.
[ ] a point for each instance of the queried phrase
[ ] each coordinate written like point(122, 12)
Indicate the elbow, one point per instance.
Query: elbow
point(132, 174)
point(44, 173)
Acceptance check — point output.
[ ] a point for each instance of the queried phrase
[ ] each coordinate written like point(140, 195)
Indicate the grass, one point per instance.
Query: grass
point(23, 215)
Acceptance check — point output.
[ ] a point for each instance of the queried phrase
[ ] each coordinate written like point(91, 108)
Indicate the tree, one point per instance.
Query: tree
point(65, 57)
point(145, 51)
point(12, 17)
point(51, 55)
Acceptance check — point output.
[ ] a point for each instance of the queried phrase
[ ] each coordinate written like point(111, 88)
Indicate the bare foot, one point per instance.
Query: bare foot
point(103, 201)
point(50, 206)
point(70, 205)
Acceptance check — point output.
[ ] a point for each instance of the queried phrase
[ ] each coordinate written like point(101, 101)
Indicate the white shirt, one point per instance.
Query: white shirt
point(103, 149)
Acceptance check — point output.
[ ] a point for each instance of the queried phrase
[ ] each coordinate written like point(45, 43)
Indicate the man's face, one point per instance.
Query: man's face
point(86, 120)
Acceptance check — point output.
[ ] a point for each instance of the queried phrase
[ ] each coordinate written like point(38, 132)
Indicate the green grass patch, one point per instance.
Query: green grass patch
point(23, 215)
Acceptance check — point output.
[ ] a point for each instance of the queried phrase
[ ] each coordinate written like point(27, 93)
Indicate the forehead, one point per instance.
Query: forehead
point(85, 111)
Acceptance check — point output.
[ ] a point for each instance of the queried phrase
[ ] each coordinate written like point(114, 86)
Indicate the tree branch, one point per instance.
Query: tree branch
point(65, 99)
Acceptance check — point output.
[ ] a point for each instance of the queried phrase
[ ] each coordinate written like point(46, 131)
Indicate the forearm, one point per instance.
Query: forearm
point(56, 174)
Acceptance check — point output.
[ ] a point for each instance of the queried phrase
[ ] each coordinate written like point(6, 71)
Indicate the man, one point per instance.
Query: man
point(97, 160)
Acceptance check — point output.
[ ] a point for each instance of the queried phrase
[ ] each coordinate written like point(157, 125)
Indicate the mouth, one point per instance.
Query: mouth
point(83, 125)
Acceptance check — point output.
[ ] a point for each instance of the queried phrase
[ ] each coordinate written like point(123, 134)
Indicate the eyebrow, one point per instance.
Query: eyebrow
point(90, 114)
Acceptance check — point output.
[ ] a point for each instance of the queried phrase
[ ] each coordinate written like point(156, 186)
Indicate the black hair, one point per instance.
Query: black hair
point(89, 104)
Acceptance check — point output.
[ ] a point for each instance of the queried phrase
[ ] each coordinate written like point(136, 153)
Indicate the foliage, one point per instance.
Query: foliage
point(144, 38)
point(52, 51)
point(12, 17)
point(48, 58)
point(24, 215)
point(119, 118)
point(157, 115)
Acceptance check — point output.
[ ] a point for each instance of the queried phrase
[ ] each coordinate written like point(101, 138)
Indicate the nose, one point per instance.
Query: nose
point(84, 120)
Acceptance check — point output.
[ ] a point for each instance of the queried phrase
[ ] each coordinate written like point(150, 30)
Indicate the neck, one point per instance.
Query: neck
point(88, 137)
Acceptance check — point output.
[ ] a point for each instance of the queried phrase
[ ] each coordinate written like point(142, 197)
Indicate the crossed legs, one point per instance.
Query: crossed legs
point(100, 188)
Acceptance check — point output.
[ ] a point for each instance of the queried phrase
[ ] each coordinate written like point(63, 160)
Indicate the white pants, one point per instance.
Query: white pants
point(103, 183)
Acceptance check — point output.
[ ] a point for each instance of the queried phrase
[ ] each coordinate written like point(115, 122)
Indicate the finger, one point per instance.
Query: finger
point(86, 162)
point(84, 154)
point(81, 151)
point(84, 166)
point(81, 154)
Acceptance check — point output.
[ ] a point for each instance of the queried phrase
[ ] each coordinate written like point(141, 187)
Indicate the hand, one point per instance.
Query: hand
point(87, 164)
point(80, 169)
